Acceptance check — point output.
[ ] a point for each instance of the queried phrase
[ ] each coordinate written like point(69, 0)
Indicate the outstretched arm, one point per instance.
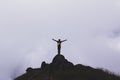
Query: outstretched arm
point(64, 40)
point(54, 40)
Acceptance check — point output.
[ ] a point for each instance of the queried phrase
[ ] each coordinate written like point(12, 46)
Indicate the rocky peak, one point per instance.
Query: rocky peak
point(61, 69)
point(60, 62)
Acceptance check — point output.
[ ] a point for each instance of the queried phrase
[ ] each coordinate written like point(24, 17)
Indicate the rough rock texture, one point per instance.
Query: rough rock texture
point(61, 69)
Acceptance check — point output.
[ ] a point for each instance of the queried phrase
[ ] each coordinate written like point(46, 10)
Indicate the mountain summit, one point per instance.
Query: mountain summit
point(61, 69)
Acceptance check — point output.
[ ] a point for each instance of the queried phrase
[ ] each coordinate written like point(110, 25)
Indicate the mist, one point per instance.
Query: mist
point(27, 27)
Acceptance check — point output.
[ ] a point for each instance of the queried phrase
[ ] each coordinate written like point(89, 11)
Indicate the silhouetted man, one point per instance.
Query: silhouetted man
point(59, 44)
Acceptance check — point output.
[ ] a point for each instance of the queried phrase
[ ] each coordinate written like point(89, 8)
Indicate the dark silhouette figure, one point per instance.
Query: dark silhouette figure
point(59, 44)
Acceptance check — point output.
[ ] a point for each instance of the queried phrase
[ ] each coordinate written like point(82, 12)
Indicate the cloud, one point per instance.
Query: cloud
point(27, 27)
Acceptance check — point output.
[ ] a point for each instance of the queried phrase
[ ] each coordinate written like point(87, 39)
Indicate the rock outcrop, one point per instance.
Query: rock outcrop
point(61, 69)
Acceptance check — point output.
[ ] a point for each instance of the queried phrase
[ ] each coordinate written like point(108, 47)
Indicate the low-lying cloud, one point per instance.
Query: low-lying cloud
point(27, 28)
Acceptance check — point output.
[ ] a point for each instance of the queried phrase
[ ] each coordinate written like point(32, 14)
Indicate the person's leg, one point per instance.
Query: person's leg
point(59, 50)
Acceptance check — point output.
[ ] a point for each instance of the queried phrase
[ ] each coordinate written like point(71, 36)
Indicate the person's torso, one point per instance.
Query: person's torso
point(59, 43)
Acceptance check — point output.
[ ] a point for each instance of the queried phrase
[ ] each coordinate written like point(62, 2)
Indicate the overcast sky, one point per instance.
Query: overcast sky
point(92, 28)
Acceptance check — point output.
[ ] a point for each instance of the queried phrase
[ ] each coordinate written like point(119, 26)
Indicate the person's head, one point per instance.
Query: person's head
point(59, 40)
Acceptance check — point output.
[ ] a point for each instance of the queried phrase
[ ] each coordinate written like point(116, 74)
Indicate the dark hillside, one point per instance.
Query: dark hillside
point(61, 69)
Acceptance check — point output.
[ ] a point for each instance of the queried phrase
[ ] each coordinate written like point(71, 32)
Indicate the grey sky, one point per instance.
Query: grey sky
point(27, 27)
